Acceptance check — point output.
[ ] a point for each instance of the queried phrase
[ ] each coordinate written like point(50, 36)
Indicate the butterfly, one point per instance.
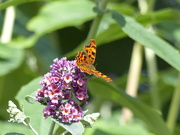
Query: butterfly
point(85, 60)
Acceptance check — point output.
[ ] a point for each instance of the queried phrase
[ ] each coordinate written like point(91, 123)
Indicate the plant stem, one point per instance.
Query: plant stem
point(153, 79)
point(8, 25)
point(135, 69)
point(30, 127)
point(145, 6)
point(93, 31)
point(51, 128)
point(174, 107)
point(133, 79)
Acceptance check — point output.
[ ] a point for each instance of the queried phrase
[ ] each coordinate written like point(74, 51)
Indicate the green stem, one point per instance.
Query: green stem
point(153, 79)
point(93, 31)
point(51, 128)
point(174, 107)
point(30, 127)
point(145, 6)
point(135, 69)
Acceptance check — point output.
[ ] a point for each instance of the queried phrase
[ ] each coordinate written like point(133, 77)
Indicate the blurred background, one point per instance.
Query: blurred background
point(45, 30)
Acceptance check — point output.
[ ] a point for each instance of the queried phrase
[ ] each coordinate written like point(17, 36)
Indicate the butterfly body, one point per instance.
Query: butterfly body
point(85, 60)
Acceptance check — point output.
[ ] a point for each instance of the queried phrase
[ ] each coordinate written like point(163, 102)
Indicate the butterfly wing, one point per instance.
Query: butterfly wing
point(90, 51)
point(86, 58)
point(82, 62)
point(101, 75)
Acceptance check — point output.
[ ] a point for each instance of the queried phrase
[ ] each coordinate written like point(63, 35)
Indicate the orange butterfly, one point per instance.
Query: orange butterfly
point(85, 60)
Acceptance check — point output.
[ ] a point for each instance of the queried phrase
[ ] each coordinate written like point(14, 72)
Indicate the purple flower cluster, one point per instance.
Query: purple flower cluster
point(60, 87)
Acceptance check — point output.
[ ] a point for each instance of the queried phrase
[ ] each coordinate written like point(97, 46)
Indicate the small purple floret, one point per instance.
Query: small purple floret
point(60, 87)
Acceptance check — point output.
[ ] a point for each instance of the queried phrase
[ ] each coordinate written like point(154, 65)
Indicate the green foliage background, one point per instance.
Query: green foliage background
point(46, 29)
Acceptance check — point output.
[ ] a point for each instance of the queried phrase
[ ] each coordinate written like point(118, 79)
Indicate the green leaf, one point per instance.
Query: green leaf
point(75, 128)
point(60, 14)
point(11, 60)
point(137, 32)
point(34, 111)
point(153, 120)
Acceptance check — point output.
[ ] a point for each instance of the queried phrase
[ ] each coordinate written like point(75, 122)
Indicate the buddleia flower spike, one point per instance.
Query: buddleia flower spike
point(61, 88)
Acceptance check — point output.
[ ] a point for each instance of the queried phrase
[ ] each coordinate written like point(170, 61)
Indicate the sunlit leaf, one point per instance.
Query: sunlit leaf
point(75, 128)
point(62, 14)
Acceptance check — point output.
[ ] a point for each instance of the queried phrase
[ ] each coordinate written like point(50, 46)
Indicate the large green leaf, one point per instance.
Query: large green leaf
point(152, 118)
point(137, 32)
point(34, 111)
point(60, 14)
